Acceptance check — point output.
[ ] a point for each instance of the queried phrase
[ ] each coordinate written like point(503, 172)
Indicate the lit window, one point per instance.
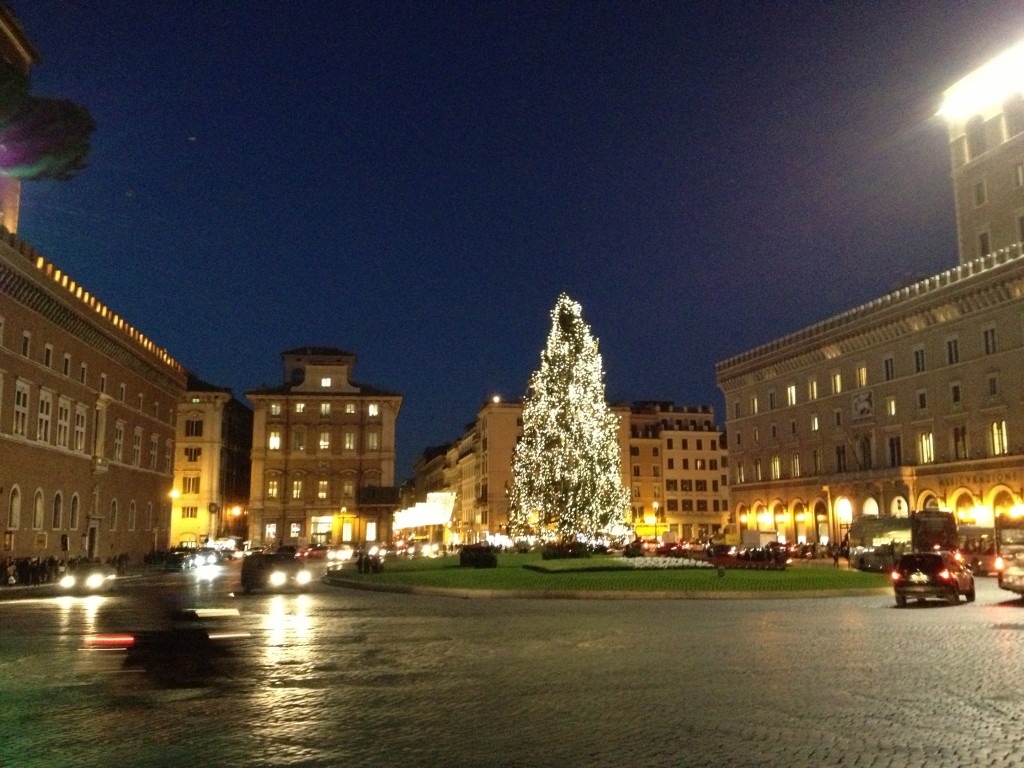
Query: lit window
point(275, 409)
point(296, 489)
point(272, 488)
point(373, 409)
point(812, 389)
point(325, 441)
point(862, 375)
point(325, 409)
point(890, 406)
point(753, 405)
point(925, 448)
point(999, 443)
point(349, 440)
point(321, 489)
point(837, 383)
point(325, 381)
point(814, 423)
point(350, 407)
point(791, 394)
point(274, 440)
point(300, 407)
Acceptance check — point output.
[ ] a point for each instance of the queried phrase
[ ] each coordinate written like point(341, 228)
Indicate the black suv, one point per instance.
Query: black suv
point(932, 574)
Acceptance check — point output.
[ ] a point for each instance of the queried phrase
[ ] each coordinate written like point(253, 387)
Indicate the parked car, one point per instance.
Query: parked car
point(277, 571)
point(932, 574)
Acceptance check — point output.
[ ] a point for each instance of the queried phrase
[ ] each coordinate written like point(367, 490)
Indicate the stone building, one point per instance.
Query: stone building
point(915, 399)
point(210, 498)
point(323, 454)
point(87, 409)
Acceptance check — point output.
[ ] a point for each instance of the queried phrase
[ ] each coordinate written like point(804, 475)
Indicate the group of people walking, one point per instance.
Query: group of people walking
point(36, 571)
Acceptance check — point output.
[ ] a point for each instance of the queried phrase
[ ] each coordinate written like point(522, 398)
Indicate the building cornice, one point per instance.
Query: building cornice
point(973, 286)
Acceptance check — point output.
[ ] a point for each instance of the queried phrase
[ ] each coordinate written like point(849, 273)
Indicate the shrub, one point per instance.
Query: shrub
point(478, 556)
point(564, 550)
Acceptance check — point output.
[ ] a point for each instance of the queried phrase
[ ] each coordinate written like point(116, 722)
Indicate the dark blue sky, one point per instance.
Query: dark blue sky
point(417, 182)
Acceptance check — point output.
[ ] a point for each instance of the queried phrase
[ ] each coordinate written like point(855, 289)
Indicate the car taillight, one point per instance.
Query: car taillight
point(110, 641)
point(944, 574)
point(896, 575)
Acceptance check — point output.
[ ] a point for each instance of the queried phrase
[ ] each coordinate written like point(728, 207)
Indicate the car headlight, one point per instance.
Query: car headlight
point(277, 578)
point(303, 577)
point(67, 582)
point(94, 580)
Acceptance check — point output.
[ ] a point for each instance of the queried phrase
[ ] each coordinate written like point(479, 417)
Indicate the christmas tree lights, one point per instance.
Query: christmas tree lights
point(567, 482)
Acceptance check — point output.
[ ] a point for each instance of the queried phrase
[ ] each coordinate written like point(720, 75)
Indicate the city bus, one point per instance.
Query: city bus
point(875, 543)
point(978, 548)
point(1010, 552)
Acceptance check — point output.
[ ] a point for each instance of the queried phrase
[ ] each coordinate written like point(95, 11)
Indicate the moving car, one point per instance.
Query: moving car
point(932, 574)
point(88, 579)
point(276, 571)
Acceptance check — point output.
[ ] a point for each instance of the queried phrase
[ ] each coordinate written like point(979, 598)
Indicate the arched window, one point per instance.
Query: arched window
point(58, 511)
point(113, 514)
point(73, 523)
point(131, 516)
point(37, 511)
point(14, 509)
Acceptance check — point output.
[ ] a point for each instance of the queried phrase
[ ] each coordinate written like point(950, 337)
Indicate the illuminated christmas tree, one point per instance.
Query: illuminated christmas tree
point(566, 469)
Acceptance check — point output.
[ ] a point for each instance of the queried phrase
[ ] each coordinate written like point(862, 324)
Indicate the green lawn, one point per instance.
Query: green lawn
point(607, 573)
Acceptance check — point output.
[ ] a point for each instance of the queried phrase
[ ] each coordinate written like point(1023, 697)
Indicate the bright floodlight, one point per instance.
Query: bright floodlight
point(987, 87)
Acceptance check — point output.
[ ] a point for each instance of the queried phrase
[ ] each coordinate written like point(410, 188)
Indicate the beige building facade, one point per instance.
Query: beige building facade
point(16, 50)
point(673, 461)
point(913, 400)
point(323, 454)
point(210, 498)
point(87, 410)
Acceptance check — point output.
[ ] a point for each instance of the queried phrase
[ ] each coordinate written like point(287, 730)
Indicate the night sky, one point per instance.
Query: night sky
point(416, 182)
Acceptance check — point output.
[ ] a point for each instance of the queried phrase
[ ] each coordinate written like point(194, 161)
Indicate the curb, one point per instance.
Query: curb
point(555, 594)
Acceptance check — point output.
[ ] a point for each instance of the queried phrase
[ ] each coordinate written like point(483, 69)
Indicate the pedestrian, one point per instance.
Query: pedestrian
point(835, 555)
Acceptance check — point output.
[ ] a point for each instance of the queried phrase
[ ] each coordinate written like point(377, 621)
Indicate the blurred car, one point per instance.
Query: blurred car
point(206, 556)
point(340, 553)
point(932, 574)
point(88, 579)
point(317, 551)
point(277, 571)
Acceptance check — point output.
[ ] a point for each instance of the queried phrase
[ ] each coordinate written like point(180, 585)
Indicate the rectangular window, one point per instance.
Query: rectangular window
point(862, 375)
point(190, 484)
point(26, 343)
point(840, 458)
point(890, 406)
point(63, 423)
point(275, 409)
point(980, 196)
point(21, 395)
point(753, 405)
point(349, 440)
point(119, 441)
point(274, 440)
point(776, 467)
point(812, 389)
point(44, 415)
point(298, 439)
point(373, 441)
point(993, 385)
point(794, 465)
point(837, 382)
point(325, 441)
point(955, 395)
point(373, 409)
point(814, 423)
point(984, 244)
point(325, 409)
point(296, 489)
point(193, 453)
point(300, 407)
point(817, 461)
point(757, 470)
point(771, 401)
point(48, 355)
point(321, 489)
point(791, 394)
point(919, 362)
point(137, 447)
point(67, 365)
point(189, 513)
point(960, 442)
point(990, 341)
point(952, 351)
point(154, 451)
point(350, 407)
point(348, 489)
point(79, 444)
point(889, 368)
point(273, 489)
point(999, 442)
point(193, 427)
point(925, 448)
point(895, 452)
point(922, 400)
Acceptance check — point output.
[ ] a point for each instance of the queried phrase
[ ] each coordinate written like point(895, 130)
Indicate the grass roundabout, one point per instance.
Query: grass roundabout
point(605, 576)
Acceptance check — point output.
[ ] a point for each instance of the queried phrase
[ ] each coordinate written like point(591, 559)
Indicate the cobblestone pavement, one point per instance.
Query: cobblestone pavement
point(346, 678)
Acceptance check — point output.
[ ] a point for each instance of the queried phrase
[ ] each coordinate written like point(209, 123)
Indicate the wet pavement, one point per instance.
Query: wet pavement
point(338, 677)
